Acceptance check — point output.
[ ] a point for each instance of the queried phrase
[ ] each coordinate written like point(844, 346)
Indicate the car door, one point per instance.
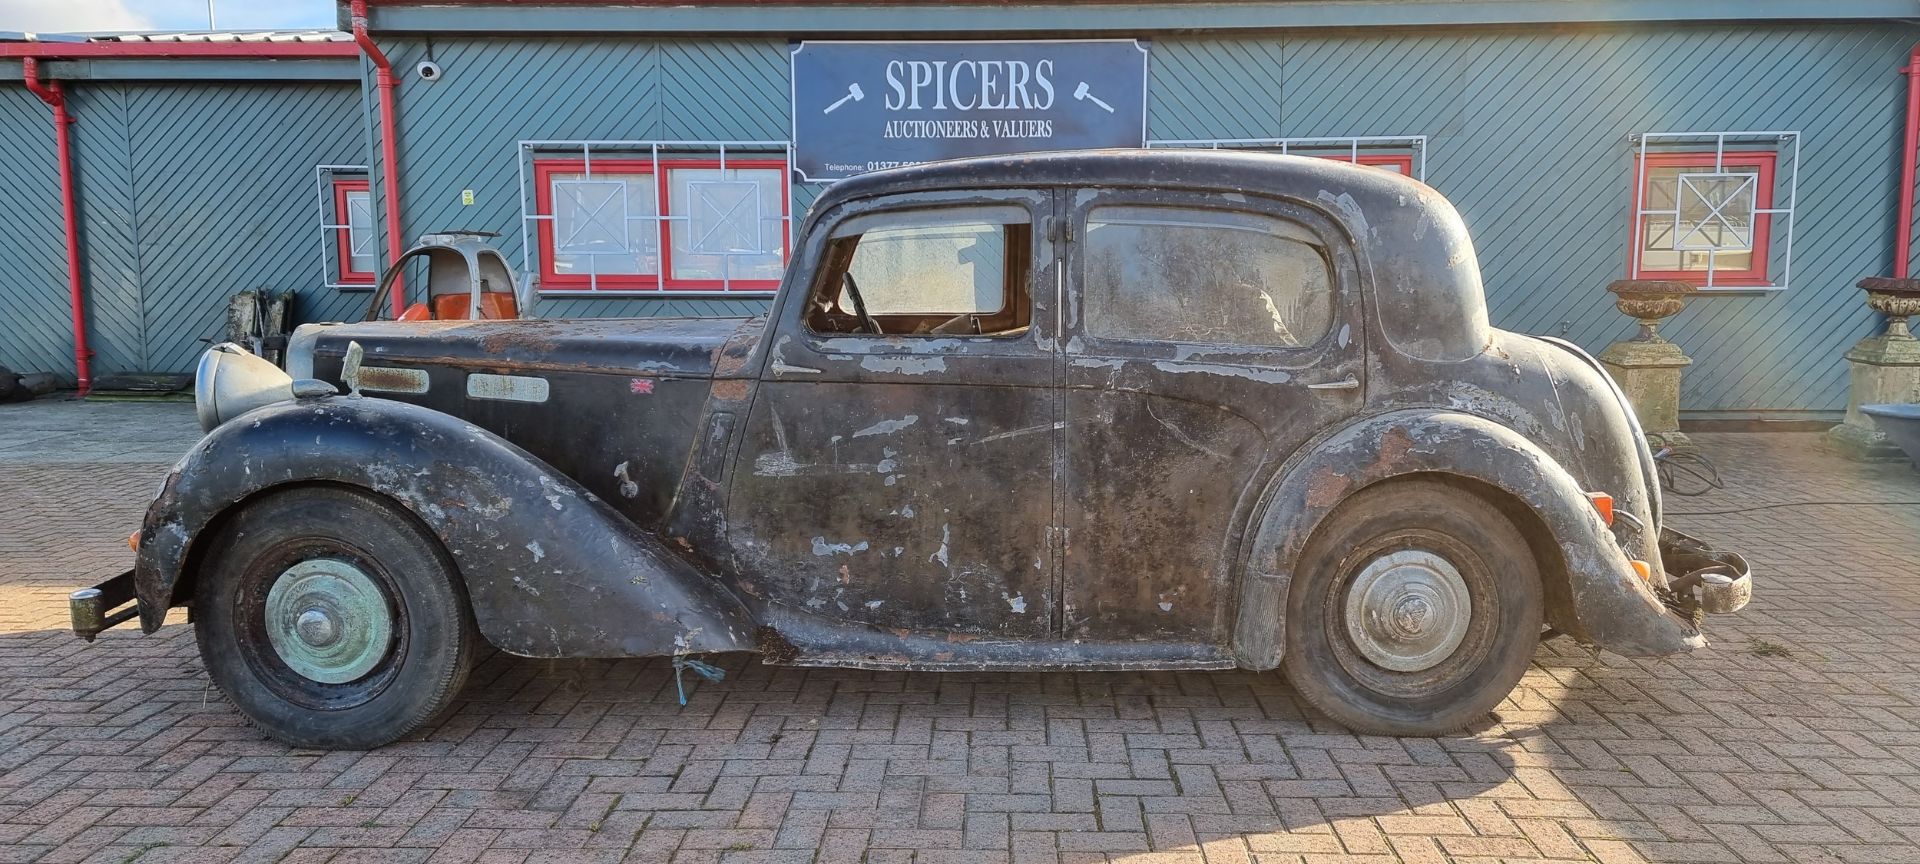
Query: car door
point(906, 479)
point(1208, 338)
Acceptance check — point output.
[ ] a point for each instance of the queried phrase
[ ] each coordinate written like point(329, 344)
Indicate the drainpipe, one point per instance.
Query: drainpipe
point(56, 99)
point(1903, 226)
point(389, 145)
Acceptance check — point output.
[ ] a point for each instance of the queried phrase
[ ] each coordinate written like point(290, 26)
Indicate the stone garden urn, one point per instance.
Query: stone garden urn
point(1898, 299)
point(1647, 367)
point(1650, 301)
point(1882, 368)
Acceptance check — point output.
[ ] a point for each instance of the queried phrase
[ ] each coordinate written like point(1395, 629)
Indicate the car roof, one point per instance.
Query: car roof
point(1163, 168)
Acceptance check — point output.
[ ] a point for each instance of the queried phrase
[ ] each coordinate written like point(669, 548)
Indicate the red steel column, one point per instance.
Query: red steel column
point(56, 98)
point(389, 145)
point(1903, 225)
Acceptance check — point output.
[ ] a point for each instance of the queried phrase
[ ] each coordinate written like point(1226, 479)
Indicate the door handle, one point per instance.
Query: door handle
point(1347, 383)
point(780, 368)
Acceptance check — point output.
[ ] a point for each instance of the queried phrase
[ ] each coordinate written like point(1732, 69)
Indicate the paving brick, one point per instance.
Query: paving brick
point(1810, 753)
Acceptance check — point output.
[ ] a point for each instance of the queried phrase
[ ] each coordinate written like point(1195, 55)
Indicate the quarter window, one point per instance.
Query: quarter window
point(1207, 276)
point(353, 238)
point(666, 225)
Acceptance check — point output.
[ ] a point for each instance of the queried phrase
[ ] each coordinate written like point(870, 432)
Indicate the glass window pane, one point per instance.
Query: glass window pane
point(1661, 182)
point(359, 219)
point(1657, 251)
point(1715, 209)
point(726, 224)
point(1212, 276)
point(604, 223)
point(949, 269)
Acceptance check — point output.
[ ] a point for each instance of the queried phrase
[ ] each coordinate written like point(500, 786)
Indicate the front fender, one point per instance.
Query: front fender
point(1611, 606)
point(552, 571)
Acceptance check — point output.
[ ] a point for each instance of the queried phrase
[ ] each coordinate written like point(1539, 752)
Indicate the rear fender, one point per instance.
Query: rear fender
point(1611, 606)
point(552, 571)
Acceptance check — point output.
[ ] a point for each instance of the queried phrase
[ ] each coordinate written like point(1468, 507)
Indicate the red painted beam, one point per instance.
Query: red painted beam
point(196, 50)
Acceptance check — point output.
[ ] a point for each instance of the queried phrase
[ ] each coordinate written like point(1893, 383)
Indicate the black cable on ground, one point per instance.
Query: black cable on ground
point(1796, 504)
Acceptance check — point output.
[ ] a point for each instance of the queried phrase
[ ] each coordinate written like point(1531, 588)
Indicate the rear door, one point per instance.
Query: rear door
point(1207, 340)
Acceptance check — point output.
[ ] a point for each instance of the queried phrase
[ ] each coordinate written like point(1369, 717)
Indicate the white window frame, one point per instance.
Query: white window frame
point(1780, 218)
point(1413, 145)
point(331, 224)
point(661, 154)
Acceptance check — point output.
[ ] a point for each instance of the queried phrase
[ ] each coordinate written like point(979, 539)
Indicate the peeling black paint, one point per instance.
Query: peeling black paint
point(1050, 501)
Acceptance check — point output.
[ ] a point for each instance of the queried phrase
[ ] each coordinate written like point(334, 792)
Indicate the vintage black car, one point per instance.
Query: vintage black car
point(1117, 410)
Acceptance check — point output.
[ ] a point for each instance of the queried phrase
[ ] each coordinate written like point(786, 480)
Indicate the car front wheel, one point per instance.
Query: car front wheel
point(332, 619)
point(1415, 609)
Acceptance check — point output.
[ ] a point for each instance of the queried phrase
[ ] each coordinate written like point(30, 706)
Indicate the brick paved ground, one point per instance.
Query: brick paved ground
point(1794, 738)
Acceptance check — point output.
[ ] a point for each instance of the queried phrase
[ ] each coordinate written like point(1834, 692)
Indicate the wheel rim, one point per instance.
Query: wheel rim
point(1407, 611)
point(329, 621)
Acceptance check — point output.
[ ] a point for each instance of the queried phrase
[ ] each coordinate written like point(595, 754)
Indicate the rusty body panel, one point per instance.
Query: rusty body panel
point(1043, 497)
point(529, 541)
point(646, 380)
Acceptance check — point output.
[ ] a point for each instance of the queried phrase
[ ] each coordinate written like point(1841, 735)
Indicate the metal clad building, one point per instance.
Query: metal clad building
point(195, 180)
point(1532, 124)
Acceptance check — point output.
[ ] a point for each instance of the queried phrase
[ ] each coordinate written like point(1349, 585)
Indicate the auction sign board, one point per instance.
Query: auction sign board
point(862, 106)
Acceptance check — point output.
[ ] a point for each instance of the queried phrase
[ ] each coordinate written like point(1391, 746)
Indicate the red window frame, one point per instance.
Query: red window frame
point(1762, 161)
point(663, 281)
point(343, 239)
point(1403, 161)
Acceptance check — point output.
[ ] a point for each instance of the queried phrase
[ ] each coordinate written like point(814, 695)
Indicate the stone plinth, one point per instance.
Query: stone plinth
point(1649, 373)
point(1884, 367)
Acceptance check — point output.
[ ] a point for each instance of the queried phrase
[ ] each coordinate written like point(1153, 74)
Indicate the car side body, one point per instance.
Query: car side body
point(1050, 494)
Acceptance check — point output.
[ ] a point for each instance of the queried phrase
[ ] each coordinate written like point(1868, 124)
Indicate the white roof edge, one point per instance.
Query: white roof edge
point(190, 36)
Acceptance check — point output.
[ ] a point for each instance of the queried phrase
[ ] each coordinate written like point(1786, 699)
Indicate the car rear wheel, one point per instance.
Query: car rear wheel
point(332, 619)
point(1415, 609)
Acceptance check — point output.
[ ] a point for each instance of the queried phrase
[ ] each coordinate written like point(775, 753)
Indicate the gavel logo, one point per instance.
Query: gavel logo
point(854, 93)
point(1082, 94)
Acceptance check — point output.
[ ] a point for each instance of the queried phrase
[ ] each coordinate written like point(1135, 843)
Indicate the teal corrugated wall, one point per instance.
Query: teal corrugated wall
point(1529, 139)
point(1527, 134)
point(239, 209)
point(463, 131)
point(35, 333)
point(190, 192)
point(193, 191)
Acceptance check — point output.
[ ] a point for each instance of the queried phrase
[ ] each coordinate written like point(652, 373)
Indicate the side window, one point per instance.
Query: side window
point(1214, 276)
point(958, 271)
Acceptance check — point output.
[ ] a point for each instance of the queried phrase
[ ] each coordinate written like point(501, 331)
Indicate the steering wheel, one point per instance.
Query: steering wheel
point(867, 322)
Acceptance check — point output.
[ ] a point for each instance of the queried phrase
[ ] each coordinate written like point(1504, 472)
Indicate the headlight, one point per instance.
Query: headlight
point(230, 381)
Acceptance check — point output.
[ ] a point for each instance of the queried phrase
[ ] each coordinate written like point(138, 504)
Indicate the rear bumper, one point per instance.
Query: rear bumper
point(100, 607)
point(1634, 616)
point(1702, 577)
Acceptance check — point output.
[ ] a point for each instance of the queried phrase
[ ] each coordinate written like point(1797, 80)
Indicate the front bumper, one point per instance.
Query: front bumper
point(98, 608)
point(1702, 579)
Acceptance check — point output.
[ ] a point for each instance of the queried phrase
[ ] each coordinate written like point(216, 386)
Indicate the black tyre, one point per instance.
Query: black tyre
point(1415, 608)
point(332, 619)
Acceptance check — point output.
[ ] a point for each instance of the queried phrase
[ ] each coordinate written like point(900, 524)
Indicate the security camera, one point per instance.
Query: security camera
point(428, 70)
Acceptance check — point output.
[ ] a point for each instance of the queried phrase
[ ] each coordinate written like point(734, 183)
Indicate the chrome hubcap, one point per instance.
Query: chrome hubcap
point(328, 621)
point(1408, 610)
